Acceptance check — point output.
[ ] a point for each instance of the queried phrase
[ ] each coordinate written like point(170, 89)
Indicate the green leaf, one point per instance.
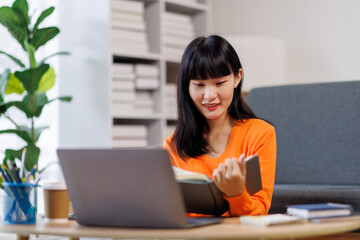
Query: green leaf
point(14, 85)
point(65, 99)
point(40, 100)
point(52, 55)
point(4, 79)
point(9, 19)
point(30, 78)
point(32, 156)
point(42, 16)
point(47, 81)
point(20, 133)
point(24, 133)
point(21, 6)
point(43, 35)
point(16, 60)
point(25, 106)
point(3, 109)
point(37, 131)
point(5, 106)
point(12, 154)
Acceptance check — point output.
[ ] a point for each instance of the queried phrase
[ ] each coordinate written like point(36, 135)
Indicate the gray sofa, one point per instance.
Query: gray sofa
point(318, 141)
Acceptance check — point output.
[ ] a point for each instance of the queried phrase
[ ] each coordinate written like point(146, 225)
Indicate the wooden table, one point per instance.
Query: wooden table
point(231, 228)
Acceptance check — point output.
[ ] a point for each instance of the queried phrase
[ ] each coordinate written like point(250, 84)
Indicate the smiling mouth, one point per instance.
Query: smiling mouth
point(211, 107)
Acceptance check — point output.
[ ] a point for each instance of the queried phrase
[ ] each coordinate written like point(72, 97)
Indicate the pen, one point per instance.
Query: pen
point(27, 178)
point(33, 170)
point(37, 181)
point(8, 174)
point(22, 163)
point(29, 174)
point(13, 171)
point(4, 175)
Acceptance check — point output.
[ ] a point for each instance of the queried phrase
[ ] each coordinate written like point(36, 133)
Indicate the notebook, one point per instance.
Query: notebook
point(125, 188)
point(270, 220)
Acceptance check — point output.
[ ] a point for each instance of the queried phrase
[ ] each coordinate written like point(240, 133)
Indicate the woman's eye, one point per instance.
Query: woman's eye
point(198, 84)
point(220, 83)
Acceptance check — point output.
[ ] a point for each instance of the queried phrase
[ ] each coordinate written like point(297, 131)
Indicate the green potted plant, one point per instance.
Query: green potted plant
point(30, 82)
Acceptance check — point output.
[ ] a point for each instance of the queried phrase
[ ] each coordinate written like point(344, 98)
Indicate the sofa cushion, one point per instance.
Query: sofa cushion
point(288, 194)
point(317, 129)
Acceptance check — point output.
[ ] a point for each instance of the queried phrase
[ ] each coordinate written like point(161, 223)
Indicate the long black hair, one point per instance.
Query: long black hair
point(204, 58)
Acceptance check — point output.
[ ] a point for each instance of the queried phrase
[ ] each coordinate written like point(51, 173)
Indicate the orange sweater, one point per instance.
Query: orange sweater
point(251, 137)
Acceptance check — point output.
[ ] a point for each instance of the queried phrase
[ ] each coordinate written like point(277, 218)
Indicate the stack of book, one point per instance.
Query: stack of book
point(320, 210)
point(122, 88)
point(179, 31)
point(144, 102)
point(170, 100)
point(129, 136)
point(147, 76)
point(128, 28)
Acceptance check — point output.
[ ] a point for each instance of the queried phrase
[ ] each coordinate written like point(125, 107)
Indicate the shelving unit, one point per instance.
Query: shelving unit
point(87, 74)
point(158, 119)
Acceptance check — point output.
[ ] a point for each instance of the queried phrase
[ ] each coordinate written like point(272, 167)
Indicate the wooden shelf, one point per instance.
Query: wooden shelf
point(155, 16)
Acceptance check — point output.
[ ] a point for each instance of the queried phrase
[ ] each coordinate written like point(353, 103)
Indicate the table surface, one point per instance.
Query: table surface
point(231, 228)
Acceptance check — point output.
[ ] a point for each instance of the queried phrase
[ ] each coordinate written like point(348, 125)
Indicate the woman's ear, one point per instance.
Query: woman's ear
point(238, 78)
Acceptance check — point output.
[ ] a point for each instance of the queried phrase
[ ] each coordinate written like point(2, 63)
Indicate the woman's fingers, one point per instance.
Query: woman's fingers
point(229, 176)
point(216, 176)
point(242, 164)
point(235, 166)
point(229, 167)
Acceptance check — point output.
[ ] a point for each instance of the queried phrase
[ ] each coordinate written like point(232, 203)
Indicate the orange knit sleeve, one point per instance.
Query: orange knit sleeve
point(263, 144)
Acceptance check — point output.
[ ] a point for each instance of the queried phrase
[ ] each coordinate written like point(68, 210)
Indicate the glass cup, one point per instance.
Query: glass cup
point(57, 202)
point(20, 203)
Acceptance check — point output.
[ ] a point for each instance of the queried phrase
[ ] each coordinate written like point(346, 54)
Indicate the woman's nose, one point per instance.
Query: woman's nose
point(210, 93)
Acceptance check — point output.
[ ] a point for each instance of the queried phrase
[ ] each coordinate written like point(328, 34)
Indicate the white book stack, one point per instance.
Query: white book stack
point(129, 136)
point(144, 102)
point(179, 31)
point(122, 88)
point(128, 28)
point(170, 100)
point(147, 76)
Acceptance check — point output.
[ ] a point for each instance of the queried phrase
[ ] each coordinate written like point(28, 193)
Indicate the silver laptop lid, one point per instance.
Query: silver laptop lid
point(123, 187)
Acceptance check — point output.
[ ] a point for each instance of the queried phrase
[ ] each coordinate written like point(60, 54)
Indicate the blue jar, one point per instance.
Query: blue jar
point(20, 203)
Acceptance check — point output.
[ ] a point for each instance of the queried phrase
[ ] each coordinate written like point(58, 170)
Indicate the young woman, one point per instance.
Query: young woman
point(216, 129)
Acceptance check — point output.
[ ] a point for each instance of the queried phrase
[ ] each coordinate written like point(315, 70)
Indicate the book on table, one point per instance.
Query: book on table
point(319, 210)
point(201, 194)
point(271, 220)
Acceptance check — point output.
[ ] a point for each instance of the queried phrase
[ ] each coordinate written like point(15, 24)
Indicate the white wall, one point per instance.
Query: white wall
point(84, 75)
point(322, 37)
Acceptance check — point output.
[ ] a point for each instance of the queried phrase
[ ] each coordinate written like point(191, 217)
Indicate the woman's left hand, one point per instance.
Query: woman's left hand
point(230, 176)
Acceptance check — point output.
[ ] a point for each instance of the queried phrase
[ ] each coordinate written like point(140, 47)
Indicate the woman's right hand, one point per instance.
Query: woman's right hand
point(230, 176)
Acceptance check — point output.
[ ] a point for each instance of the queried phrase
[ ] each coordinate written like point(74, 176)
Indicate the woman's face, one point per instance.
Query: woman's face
point(212, 97)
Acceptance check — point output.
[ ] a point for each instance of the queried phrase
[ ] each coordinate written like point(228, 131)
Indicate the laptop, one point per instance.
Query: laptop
point(132, 187)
